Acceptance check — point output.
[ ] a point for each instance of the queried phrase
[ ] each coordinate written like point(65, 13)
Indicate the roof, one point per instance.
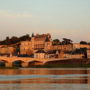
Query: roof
point(42, 37)
point(40, 51)
point(53, 51)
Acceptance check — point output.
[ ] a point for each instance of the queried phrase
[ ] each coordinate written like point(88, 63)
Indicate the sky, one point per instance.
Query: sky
point(61, 18)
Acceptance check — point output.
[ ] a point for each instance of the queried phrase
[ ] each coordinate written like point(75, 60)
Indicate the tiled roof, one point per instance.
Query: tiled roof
point(40, 51)
point(53, 51)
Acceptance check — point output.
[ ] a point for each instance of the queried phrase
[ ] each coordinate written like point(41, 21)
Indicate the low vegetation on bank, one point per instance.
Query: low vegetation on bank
point(77, 63)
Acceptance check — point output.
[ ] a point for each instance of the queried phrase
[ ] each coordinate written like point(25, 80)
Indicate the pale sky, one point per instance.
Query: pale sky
point(61, 18)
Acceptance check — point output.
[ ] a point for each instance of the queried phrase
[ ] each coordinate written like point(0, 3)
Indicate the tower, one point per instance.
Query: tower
point(48, 44)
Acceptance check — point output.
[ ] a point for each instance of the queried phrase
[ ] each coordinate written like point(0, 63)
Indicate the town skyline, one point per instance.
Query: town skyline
point(53, 38)
point(60, 18)
point(44, 44)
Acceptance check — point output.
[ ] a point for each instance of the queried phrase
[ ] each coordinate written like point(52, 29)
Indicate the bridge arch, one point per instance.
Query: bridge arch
point(17, 63)
point(3, 63)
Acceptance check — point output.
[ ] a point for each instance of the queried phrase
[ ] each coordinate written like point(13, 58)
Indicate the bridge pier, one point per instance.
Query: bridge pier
point(9, 64)
point(25, 64)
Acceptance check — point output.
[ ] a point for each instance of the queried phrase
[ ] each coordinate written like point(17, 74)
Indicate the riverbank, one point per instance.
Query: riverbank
point(62, 66)
point(70, 63)
point(9, 67)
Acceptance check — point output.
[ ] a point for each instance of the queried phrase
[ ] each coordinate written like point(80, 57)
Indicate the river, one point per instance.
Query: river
point(45, 79)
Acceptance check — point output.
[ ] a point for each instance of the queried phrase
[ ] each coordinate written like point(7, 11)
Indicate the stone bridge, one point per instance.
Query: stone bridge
point(23, 61)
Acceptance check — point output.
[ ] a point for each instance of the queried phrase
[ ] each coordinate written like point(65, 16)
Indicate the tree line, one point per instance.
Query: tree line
point(14, 40)
point(66, 41)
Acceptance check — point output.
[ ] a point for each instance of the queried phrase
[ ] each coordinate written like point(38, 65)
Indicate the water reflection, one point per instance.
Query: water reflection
point(44, 79)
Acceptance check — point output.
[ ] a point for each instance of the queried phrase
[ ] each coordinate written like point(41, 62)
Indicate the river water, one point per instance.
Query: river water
point(45, 79)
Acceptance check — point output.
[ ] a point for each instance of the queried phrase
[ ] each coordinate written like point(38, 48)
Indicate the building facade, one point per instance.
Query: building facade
point(78, 46)
point(37, 42)
point(7, 50)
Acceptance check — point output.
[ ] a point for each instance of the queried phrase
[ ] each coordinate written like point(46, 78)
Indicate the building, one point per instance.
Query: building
point(53, 54)
point(40, 41)
point(41, 54)
point(88, 53)
point(37, 42)
point(78, 46)
point(7, 50)
point(41, 46)
point(26, 48)
point(68, 47)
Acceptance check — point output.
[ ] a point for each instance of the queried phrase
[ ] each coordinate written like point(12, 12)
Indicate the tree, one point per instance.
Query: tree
point(83, 42)
point(14, 40)
point(84, 51)
point(56, 42)
point(7, 41)
point(66, 41)
point(25, 37)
